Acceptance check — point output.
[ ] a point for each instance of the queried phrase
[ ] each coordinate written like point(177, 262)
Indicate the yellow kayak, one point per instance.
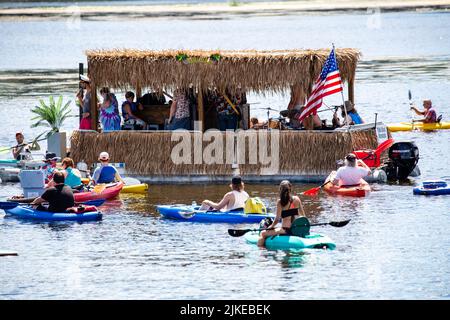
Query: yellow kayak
point(137, 188)
point(408, 126)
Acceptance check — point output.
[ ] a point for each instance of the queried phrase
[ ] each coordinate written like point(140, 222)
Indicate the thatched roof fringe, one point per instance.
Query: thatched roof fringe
point(253, 70)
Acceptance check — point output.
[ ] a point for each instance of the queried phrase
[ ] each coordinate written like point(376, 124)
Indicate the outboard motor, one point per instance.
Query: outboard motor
point(403, 158)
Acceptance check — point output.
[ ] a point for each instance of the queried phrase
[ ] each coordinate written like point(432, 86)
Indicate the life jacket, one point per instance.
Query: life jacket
point(72, 180)
point(355, 118)
point(107, 174)
point(254, 205)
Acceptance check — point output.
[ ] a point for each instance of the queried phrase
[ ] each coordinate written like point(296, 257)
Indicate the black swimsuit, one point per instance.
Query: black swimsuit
point(291, 212)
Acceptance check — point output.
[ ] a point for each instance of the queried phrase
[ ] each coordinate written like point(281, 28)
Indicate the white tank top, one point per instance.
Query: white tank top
point(239, 199)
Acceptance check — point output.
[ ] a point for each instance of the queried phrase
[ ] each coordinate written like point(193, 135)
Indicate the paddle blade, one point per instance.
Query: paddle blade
point(339, 224)
point(237, 233)
point(312, 192)
point(99, 188)
point(409, 95)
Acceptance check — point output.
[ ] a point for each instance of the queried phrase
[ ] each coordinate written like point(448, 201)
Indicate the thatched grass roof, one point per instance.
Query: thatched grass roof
point(258, 71)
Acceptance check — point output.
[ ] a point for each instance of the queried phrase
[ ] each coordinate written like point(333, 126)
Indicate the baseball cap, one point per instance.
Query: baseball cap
point(104, 156)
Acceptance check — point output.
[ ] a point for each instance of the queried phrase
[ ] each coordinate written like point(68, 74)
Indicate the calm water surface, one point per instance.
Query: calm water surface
point(396, 246)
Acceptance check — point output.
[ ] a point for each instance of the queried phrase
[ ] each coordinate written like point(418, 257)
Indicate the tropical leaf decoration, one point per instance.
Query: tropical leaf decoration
point(51, 115)
point(215, 57)
point(181, 57)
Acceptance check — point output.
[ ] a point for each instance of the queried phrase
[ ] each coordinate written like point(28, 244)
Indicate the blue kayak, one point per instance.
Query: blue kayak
point(26, 212)
point(434, 187)
point(284, 242)
point(193, 214)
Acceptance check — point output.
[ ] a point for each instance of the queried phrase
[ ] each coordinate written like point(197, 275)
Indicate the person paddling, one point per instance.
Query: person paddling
point(351, 174)
point(429, 112)
point(106, 173)
point(59, 197)
point(72, 176)
point(289, 208)
point(21, 148)
point(232, 200)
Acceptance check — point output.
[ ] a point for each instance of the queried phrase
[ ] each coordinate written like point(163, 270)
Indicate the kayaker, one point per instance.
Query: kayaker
point(59, 197)
point(351, 174)
point(50, 165)
point(232, 200)
point(289, 208)
point(72, 176)
point(106, 173)
point(429, 112)
point(22, 149)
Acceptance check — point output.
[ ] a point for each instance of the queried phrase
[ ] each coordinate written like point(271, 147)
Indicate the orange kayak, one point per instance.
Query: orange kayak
point(357, 191)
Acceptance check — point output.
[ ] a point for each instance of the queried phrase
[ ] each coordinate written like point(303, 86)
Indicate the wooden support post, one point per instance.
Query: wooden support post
point(94, 109)
point(351, 90)
point(138, 91)
point(200, 109)
point(80, 72)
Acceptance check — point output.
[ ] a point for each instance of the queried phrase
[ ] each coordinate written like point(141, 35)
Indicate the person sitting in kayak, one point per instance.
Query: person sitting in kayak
point(289, 208)
point(72, 176)
point(232, 200)
point(59, 197)
point(351, 174)
point(352, 117)
point(429, 112)
point(106, 173)
point(22, 149)
point(50, 166)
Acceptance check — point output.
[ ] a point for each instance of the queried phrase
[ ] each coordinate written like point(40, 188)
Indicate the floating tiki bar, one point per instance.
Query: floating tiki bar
point(302, 155)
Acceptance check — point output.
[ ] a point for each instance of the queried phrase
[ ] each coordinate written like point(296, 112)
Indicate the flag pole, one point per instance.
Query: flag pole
point(342, 87)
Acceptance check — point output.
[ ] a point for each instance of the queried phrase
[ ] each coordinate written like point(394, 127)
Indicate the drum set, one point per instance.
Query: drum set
point(280, 122)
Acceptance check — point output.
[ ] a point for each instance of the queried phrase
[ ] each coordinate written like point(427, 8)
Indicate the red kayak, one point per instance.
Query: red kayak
point(357, 191)
point(109, 192)
point(360, 190)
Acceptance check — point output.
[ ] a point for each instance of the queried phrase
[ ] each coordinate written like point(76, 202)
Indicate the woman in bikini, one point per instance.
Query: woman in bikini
point(289, 208)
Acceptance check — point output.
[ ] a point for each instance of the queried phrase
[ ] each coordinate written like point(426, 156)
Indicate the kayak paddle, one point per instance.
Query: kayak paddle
point(314, 191)
point(241, 232)
point(410, 105)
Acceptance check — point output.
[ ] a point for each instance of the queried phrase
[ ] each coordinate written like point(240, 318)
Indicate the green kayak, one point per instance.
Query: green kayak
point(284, 242)
point(8, 162)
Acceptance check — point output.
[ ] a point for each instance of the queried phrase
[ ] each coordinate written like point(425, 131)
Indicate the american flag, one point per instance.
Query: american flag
point(328, 83)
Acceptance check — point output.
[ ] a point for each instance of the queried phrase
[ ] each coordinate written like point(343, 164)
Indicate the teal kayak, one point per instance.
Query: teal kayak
point(284, 242)
point(9, 162)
